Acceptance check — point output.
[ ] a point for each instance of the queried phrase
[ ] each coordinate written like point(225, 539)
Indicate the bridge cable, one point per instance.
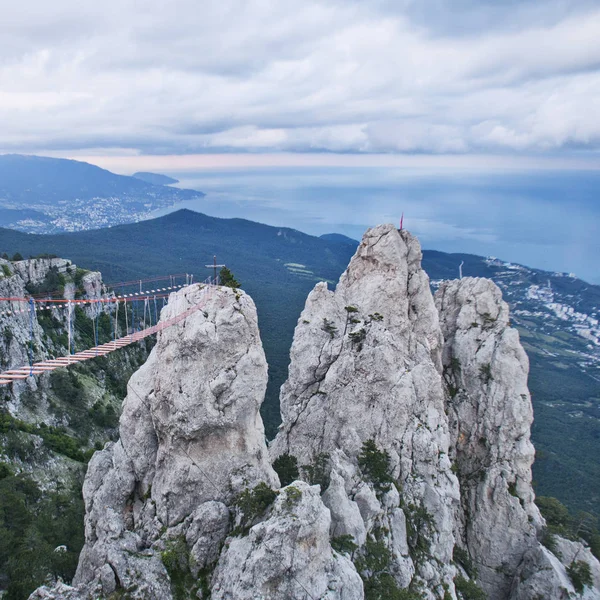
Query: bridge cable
point(31, 320)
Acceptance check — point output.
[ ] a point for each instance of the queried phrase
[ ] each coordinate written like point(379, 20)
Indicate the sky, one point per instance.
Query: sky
point(496, 101)
point(255, 79)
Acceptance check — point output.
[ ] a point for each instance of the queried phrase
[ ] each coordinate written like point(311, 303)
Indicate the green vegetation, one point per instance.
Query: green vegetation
point(580, 574)
point(555, 513)
point(329, 327)
point(375, 466)
point(6, 270)
point(286, 466)
point(375, 556)
point(559, 521)
point(344, 544)
point(227, 279)
point(53, 328)
point(358, 337)
point(78, 280)
point(55, 438)
point(53, 282)
point(468, 589)
point(419, 526)
point(292, 496)
point(317, 473)
point(373, 564)
point(104, 415)
point(5, 470)
point(66, 387)
point(384, 587)
point(485, 372)
point(39, 534)
point(252, 504)
point(461, 557)
point(176, 558)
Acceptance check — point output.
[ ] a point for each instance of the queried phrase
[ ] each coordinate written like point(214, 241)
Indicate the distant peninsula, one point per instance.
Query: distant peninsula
point(39, 194)
point(155, 178)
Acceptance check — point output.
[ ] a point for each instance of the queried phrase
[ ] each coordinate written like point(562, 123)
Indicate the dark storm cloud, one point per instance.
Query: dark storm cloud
point(404, 76)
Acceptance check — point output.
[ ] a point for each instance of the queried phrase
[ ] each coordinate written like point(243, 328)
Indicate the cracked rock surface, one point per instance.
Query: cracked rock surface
point(490, 416)
point(287, 555)
point(366, 363)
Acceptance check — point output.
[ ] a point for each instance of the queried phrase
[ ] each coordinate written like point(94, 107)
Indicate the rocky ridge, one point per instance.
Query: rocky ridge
point(409, 419)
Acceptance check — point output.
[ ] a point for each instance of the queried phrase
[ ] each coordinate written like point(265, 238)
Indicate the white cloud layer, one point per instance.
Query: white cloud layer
point(420, 76)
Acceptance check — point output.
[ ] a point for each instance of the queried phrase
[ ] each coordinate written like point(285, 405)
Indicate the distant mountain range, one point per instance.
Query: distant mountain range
point(557, 315)
point(49, 195)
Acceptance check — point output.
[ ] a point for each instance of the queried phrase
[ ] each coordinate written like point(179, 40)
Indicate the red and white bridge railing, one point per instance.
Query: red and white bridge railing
point(64, 361)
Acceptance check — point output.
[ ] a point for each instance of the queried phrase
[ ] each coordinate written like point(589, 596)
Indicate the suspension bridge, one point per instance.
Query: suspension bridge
point(104, 305)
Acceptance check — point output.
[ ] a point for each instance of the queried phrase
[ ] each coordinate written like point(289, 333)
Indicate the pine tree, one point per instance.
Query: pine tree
point(227, 278)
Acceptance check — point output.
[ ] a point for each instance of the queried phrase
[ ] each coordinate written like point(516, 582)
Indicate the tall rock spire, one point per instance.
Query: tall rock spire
point(366, 365)
point(191, 439)
point(490, 414)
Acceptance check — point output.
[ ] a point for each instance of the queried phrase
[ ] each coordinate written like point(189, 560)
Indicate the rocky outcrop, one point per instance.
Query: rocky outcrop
point(288, 555)
point(39, 334)
point(162, 501)
point(366, 365)
point(34, 271)
point(24, 336)
point(544, 574)
point(191, 439)
point(490, 416)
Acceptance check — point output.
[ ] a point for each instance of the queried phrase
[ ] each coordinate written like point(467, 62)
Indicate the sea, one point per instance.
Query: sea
point(544, 219)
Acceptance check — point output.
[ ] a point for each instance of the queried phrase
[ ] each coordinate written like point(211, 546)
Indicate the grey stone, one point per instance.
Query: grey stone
point(490, 416)
point(287, 555)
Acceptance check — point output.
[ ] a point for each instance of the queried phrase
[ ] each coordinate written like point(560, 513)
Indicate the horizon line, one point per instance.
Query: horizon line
point(128, 162)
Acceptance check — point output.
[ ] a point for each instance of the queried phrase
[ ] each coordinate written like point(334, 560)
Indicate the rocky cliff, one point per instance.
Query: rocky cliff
point(404, 453)
point(184, 501)
point(438, 393)
point(59, 399)
point(490, 415)
point(366, 365)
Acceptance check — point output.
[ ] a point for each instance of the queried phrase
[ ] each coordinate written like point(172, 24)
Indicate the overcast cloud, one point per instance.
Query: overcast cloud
point(402, 76)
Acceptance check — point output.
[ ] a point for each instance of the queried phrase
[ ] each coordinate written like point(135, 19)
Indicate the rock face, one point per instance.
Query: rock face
point(191, 438)
point(543, 574)
point(366, 364)
point(16, 281)
point(39, 335)
point(161, 502)
point(490, 416)
point(442, 389)
point(287, 556)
